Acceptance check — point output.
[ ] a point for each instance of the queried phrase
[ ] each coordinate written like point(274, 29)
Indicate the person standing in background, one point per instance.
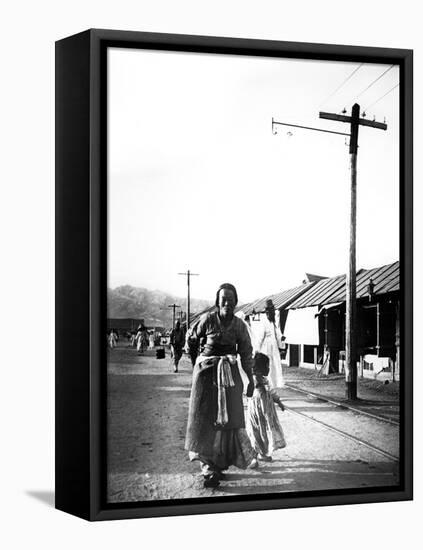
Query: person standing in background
point(269, 342)
point(177, 341)
point(151, 340)
point(112, 339)
point(140, 338)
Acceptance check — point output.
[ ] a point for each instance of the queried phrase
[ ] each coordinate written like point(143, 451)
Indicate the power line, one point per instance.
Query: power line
point(372, 83)
point(384, 95)
point(342, 84)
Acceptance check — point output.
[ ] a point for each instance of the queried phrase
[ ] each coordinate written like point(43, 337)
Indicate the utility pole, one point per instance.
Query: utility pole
point(188, 275)
point(350, 333)
point(173, 306)
point(350, 326)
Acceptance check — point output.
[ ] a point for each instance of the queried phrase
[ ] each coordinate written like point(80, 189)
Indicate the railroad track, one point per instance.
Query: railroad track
point(334, 405)
point(342, 405)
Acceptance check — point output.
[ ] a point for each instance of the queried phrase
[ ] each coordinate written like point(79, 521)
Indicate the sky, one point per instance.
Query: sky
point(198, 181)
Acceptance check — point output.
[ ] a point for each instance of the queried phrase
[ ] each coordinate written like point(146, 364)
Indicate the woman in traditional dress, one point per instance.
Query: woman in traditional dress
point(132, 341)
point(263, 426)
point(151, 340)
point(268, 341)
point(139, 338)
point(112, 339)
point(216, 434)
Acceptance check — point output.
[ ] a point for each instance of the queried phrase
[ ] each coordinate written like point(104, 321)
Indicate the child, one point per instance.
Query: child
point(263, 426)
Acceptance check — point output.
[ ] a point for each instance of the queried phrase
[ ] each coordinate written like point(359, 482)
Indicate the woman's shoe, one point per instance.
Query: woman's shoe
point(211, 480)
point(254, 464)
point(265, 458)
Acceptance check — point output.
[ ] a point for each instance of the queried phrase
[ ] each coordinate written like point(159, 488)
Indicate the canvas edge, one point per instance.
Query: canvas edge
point(94, 412)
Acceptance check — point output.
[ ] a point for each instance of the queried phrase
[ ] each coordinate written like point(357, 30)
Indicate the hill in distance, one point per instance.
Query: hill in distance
point(151, 305)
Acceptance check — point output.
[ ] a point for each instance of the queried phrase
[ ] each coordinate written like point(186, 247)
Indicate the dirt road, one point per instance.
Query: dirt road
point(147, 412)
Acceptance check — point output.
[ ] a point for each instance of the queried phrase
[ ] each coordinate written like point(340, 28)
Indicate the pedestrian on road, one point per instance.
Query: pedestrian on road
point(216, 434)
point(177, 342)
point(151, 340)
point(112, 339)
point(263, 426)
point(269, 341)
point(140, 338)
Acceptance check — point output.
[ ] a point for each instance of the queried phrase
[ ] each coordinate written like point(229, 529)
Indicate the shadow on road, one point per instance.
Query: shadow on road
point(282, 476)
point(310, 475)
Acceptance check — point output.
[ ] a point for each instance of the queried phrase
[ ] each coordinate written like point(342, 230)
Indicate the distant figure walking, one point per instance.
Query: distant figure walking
point(132, 341)
point(140, 338)
point(269, 341)
point(177, 341)
point(151, 340)
point(263, 426)
point(112, 339)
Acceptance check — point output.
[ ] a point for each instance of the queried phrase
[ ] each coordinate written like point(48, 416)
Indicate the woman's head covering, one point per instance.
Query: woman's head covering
point(269, 306)
point(226, 286)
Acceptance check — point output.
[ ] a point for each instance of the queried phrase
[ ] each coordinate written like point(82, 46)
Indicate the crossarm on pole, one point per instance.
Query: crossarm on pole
point(361, 121)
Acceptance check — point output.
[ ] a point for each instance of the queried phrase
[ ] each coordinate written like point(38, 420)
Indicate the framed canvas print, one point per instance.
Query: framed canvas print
point(233, 274)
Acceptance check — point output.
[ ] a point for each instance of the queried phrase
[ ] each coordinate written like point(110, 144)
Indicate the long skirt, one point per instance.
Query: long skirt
point(217, 446)
point(270, 348)
point(263, 426)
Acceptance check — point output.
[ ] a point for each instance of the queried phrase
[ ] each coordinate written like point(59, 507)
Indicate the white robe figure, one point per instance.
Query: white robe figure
point(151, 341)
point(268, 340)
point(112, 340)
point(138, 340)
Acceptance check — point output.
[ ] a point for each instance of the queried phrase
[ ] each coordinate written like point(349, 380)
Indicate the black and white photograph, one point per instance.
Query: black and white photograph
point(212, 255)
point(253, 276)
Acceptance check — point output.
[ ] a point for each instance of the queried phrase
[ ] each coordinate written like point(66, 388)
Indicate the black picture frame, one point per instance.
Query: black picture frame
point(81, 224)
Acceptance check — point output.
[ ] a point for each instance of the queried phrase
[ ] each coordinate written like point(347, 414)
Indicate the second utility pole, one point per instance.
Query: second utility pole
point(350, 325)
point(188, 274)
point(173, 306)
